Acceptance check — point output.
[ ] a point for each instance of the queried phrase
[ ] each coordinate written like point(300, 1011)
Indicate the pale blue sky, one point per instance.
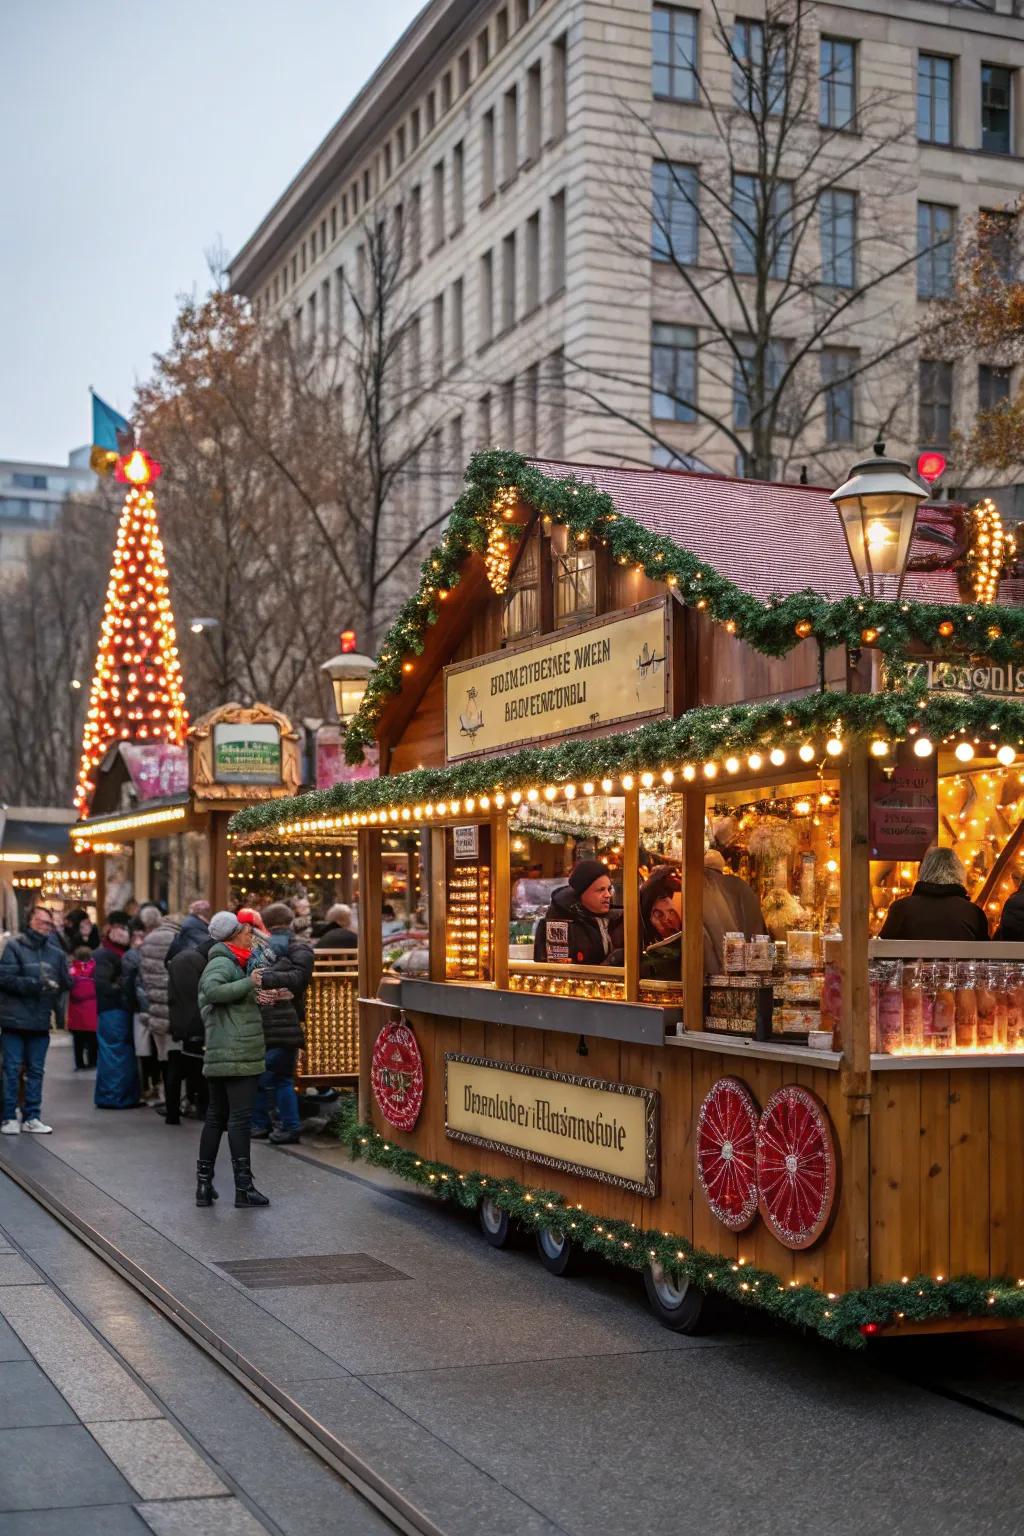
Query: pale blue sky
point(134, 136)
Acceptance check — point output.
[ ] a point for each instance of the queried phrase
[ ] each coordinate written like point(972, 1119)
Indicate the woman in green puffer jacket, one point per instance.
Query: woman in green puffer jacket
point(234, 1057)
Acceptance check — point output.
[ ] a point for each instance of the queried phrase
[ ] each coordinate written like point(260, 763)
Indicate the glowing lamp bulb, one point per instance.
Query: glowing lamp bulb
point(833, 746)
point(776, 757)
point(689, 773)
point(806, 753)
point(754, 761)
point(923, 747)
point(879, 749)
point(1006, 756)
point(964, 752)
point(606, 786)
point(877, 534)
point(732, 765)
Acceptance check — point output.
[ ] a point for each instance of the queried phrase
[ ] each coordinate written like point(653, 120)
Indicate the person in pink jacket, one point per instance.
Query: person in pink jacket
point(82, 1007)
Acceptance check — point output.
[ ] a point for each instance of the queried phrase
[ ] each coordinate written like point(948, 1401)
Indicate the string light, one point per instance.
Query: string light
point(923, 747)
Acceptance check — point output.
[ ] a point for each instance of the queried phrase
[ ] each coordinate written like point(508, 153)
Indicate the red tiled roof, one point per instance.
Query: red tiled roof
point(767, 538)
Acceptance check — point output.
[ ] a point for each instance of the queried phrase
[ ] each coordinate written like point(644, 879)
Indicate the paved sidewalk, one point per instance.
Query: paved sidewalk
point(498, 1398)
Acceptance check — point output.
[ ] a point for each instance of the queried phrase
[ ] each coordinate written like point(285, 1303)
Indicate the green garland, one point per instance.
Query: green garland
point(846, 1319)
point(768, 626)
point(696, 737)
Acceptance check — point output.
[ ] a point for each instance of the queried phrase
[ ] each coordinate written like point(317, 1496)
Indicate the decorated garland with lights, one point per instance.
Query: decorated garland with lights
point(480, 523)
point(847, 1319)
point(137, 692)
point(704, 744)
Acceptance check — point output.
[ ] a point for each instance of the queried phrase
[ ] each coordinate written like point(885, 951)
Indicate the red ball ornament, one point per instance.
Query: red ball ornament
point(796, 1166)
point(945, 629)
point(396, 1076)
point(726, 1146)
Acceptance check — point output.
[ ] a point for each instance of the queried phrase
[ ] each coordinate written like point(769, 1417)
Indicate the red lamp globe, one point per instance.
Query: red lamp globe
point(931, 466)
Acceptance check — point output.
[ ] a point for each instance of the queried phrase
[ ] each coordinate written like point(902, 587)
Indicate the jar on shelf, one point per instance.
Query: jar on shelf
point(913, 1007)
point(928, 988)
point(966, 1000)
point(985, 1002)
point(1001, 988)
point(944, 1010)
point(890, 1009)
point(874, 987)
point(1015, 1021)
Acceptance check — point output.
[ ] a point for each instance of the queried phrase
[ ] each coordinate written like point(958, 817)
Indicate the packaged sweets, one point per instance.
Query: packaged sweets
point(890, 1008)
point(966, 1001)
point(944, 1011)
point(801, 949)
point(928, 1007)
point(759, 955)
point(733, 952)
point(985, 1002)
point(1001, 989)
point(913, 1013)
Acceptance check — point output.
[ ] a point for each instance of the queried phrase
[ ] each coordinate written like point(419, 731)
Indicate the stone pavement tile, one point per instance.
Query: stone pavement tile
point(56, 1468)
point(11, 1347)
point(157, 1459)
point(27, 1397)
point(910, 1463)
point(75, 1361)
point(100, 1520)
point(201, 1517)
point(14, 1270)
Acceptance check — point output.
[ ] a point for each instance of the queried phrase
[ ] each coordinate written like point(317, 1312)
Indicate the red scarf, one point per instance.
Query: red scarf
point(241, 955)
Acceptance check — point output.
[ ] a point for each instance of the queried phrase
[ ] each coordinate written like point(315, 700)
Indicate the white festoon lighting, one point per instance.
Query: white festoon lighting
point(776, 757)
point(806, 753)
point(1006, 755)
point(923, 747)
point(963, 752)
point(879, 748)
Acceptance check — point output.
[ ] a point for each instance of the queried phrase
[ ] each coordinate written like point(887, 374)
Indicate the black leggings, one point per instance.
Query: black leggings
point(229, 1109)
point(180, 1068)
point(84, 1042)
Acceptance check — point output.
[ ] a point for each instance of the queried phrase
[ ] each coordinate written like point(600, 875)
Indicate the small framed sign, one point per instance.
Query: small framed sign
point(466, 842)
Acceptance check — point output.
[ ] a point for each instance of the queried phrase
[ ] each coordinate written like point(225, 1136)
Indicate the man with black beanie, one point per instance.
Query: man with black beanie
point(580, 926)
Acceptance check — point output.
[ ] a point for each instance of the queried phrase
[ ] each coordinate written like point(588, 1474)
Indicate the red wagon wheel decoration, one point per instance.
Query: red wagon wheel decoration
point(796, 1166)
point(727, 1151)
point(396, 1075)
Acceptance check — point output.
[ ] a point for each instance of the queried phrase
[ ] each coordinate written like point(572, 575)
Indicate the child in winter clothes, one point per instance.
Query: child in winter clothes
point(82, 1007)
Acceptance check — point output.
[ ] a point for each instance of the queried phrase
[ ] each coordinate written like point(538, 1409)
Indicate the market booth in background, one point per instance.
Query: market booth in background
point(748, 1093)
point(38, 863)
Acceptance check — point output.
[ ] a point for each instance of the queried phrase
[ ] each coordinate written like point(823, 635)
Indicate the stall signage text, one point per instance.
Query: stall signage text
point(582, 1125)
point(246, 753)
point(971, 676)
point(580, 680)
point(904, 807)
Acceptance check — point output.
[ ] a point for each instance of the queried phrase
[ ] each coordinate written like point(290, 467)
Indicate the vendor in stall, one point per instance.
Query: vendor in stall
point(730, 906)
point(661, 924)
point(580, 926)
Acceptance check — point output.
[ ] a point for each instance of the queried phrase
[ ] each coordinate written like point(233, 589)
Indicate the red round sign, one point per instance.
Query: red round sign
point(396, 1073)
point(796, 1166)
point(726, 1143)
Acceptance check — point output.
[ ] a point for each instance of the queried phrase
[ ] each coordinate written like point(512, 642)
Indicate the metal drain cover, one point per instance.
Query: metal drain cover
point(309, 1269)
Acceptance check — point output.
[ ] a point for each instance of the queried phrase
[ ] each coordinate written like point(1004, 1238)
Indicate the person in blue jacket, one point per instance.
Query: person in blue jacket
point(34, 979)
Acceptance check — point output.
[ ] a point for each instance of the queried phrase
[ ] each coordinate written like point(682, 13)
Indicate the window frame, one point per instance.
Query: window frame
point(662, 346)
point(689, 66)
point(1010, 73)
point(942, 369)
point(927, 254)
point(827, 86)
point(664, 247)
point(833, 277)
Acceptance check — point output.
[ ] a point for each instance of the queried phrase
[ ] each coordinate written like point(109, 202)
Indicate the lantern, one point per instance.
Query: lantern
point(878, 506)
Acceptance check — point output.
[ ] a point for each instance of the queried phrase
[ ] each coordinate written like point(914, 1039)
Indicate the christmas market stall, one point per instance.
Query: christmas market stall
point(669, 747)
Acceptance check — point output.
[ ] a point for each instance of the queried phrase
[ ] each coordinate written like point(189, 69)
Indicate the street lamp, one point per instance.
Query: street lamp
point(349, 673)
point(878, 506)
point(199, 626)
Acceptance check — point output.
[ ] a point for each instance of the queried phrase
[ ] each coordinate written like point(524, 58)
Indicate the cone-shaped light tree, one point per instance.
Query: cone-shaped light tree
point(137, 692)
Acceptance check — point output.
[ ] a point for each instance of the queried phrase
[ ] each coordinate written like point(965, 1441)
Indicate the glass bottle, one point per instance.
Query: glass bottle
point(985, 1000)
point(1001, 988)
point(944, 1015)
point(890, 1010)
point(928, 987)
point(966, 1006)
point(1015, 1027)
point(913, 1011)
point(874, 986)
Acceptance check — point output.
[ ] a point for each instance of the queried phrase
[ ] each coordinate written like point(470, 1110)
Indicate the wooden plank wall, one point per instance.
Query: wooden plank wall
point(682, 1077)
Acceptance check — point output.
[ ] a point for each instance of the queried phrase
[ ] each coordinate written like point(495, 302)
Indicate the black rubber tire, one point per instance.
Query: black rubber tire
point(679, 1306)
point(557, 1253)
point(495, 1224)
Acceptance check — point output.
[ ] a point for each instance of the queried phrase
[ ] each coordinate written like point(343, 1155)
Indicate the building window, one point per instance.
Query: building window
point(996, 108)
point(415, 370)
point(486, 297)
point(837, 212)
point(674, 212)
point(522, 12)
point(556, 235)
point(997, 237)
point(673, 372)
point(487, 155)
point(521, 612)
point(510, 135)
point(438, 359)
point(993, 386)
point(484, 416)
point(554, 401)
point(531, 399)
point(533, 112)
point(935, 403)
point(934, 99)
point(501, 28)
point(744, 383)
point(559, 86)
point(339, 302)
point(458, 320)
point(936, 225)
point(752, 223)
point(437, 203)
point(483, 51)
point(575, 586)
point(458, 188)
point(387, 164)
point(758, 84)
point(838, 82)
point(334, 223)
point(431, 110)
point(414, 127)
point(674, 53)
point(415, 225)
point(446, 91)
point(508, 284)
point(455, 452)
point(464, 72)
point(532, 263)
point(837, 367)
point(508, 410)
point(400, 144)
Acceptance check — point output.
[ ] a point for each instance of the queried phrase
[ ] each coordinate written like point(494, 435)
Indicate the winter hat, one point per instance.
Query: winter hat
point(251, 916)
point(224, 925)
point(585, 873)
point(664, 880)
point(278, 915)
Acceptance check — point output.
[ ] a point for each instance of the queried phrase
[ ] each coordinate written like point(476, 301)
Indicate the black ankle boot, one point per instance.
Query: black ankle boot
point(246, 1192)
point(205, 1192)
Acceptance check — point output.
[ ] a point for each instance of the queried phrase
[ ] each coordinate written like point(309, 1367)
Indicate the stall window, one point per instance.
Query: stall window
point(521, 613)
point(468, 917)
point(575, 586)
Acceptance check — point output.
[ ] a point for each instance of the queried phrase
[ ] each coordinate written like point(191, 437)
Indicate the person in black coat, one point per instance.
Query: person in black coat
point(339, 933)
point(186, 1025)
point(1011, 919)
point(284, 988)
point(194, 930)
point(580, 926)
point(938, 907)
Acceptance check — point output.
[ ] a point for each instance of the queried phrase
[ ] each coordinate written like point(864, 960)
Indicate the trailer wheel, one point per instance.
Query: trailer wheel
point(675, 1302)
point(556, 1252)
point(495, 1223)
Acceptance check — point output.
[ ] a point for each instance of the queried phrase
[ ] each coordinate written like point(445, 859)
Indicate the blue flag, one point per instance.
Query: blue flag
point(106, 425)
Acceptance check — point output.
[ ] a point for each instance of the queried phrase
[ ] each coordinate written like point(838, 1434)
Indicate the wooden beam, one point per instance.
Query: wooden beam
point(631, 893)
point(371, 895)
point(501, 895)
point(693, 909)
point(217, 824)
point(855, 905)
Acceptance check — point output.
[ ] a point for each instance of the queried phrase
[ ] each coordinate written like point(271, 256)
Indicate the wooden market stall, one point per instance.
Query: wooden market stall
point(691, 681)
